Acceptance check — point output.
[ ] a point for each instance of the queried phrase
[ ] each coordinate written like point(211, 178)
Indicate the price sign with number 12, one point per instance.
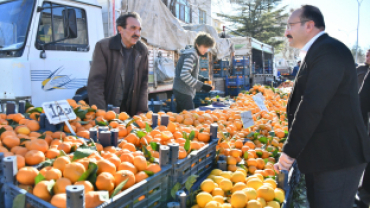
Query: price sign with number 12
point(59, 111)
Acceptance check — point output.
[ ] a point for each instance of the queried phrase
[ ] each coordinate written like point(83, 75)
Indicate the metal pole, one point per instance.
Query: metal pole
point(358, 25)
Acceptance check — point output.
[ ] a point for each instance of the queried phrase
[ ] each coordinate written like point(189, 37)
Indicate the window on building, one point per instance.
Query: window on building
point(183, 11)
point(202, 17)
point(51, 28)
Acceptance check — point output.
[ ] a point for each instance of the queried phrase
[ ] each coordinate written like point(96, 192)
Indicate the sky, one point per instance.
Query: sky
point(340, 18)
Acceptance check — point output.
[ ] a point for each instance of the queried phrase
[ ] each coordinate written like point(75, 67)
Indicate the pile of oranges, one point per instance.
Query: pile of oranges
point(226, 189)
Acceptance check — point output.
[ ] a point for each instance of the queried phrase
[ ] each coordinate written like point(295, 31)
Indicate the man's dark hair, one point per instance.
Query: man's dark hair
point(313, 13)
point(298, 62)
point(122, 20)
point(204, 39)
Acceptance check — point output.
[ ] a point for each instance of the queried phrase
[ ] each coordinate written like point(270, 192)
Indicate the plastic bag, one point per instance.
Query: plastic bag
point(164, 69)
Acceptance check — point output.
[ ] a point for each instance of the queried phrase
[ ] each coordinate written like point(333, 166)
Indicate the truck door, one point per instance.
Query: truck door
point(65, 66)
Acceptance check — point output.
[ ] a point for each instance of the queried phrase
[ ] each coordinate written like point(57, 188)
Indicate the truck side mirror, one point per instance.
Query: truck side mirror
point(70, 23)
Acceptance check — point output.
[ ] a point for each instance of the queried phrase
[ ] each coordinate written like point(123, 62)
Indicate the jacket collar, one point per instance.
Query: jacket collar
point(115, 43)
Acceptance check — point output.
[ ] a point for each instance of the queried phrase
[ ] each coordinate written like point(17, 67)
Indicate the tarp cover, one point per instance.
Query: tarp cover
point(161, 29)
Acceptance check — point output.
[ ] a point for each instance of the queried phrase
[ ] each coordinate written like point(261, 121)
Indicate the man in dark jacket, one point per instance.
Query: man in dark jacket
point(296, 68)
point(187, 79)
point(119, 70)
point(362, 69)
point(327, 136)
point(363, 194)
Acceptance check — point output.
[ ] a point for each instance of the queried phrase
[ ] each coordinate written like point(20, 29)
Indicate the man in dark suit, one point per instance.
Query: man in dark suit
point(327, 136)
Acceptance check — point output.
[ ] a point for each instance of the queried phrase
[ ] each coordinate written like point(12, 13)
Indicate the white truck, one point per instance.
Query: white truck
point(46, 46)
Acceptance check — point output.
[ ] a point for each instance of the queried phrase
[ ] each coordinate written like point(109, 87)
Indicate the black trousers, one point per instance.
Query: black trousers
point(183, 101)
point(334, 188)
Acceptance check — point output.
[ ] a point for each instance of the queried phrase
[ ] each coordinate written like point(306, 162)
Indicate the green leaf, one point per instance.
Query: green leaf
point(51, 186)
point(246, 155)
point(184, 135)
point(276, 151)
point(91, 168)
point(47, 162)
point(175, 189)
point(83, 122)
point(272, 133)
point(201, 130)
point(83, 151)
point(250, 135)
point(39, 178)
point(101, 123)
point(19, 201)
point(73, 148)
point(23, 139)
point(255, 135)
point(187, 145)
point(131, 122)
point(140, 134)
point(282, 140)
point(35, 110)
point(286, 133)
point(259, 154)
point(190, 181)
point(148, 128)
point(92, 177)
point(242, 166)
point(2, 130)
point(91, 110)
point(28, 105)
point(62, 153)
point(80, 113)
point(149, 173)
point(147, 154)
point(275, 199)
point(263, 140)
point(154, 146)
point(118, 188)
point(265, 160)
point(192, 135)
point(42, 136)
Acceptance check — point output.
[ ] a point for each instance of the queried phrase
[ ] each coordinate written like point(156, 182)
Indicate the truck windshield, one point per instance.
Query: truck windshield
point(15, 17)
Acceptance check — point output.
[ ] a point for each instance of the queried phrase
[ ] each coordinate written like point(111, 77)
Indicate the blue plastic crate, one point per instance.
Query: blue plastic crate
point(235, 81)
point(155, 189)
point(196, 163)
point(241, 62)
point(220, 68)
point(204, 63)
point(235, 90)
point(204, 72)
point(198, 97)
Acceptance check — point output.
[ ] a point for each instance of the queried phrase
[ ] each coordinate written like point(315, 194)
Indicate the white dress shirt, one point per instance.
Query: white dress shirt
point(304, 50)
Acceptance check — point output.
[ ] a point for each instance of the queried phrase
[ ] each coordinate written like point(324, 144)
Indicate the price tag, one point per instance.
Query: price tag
point(259, 101)
point(58, 111)
point(247, 119)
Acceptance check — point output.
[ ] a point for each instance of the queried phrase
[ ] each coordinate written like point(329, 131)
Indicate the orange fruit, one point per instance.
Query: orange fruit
point(140, 176)
point(127, 157)
point(59, 200)
point(60, 185)
point(61, 162)
point(58, 135)
point(66, 147)
point(115, 160)
point(123, 116)
point(204, 137)
point(51, 173)
point(155, 168)
point(27, 175)
point(52, 153)
point(33, 125)
point(11, 141)
point(110, 115)
point(73, 171)
point(129, 146)
point(92, 199)
point(140, 163)
point(87, 184)
point(34, 157)
point(38, 144)
point(128, 166)
point(105, 181)
point(41, 190)
point(122, 175)
point(20, 161)
point(23, 130)
point(105, 166)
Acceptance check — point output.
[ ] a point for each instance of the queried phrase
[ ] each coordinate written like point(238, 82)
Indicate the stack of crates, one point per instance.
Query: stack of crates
point(236, 84)
point(240, 66)
point(204, 66)
point(199, 97)
point(220, 68)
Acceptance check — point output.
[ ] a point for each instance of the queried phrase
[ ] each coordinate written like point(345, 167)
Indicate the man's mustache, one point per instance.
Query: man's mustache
point(135, 36)
point(289, 36)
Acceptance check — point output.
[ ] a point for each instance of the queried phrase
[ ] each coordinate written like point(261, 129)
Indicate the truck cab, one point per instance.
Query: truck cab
point(46, 48)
